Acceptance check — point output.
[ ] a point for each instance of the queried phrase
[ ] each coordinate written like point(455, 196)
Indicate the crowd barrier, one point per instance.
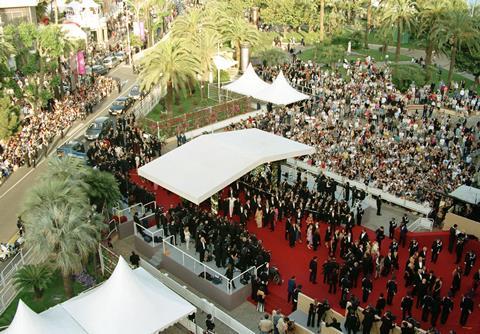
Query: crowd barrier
point(341, 180)
point(202, 269)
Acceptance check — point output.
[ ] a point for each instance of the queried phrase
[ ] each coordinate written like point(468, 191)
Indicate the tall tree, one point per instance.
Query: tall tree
point(368, 22)
point(460, 31)
point(239, 31)
point(171, 65)
point(322, 20)
point(432, 17)
point(402, 14)
point(62, 229)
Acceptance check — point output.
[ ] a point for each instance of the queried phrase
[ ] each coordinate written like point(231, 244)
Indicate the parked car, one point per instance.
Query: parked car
point(99, 69)
point(75, 149)
point(136, 93)
point(110, 62)
point(120, 55)
point(120, 105)
point(99, 128)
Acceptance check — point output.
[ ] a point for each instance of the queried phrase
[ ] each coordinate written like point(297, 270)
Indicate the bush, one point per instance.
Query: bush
point(405, 75)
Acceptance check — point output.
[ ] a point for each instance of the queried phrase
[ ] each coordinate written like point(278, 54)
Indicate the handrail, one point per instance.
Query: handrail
point(243, 273)
point(152, 234)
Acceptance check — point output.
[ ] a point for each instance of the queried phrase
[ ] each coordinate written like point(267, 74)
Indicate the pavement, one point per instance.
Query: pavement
point(14, 189)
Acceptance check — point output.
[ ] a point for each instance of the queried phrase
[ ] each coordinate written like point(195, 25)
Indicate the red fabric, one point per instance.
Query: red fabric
point(294, 261)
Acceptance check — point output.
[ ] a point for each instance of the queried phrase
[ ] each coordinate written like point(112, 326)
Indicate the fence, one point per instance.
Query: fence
point(421, 224)
point(142, 232)
point(8, 291)
point(108, 260)
point(170, 126)
point(221, 94)
point(146, 104)
point(139, 207)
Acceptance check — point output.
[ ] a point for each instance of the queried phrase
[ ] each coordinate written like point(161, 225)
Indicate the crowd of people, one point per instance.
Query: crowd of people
point(363, 130)
point(354, 262)
point(39, 127)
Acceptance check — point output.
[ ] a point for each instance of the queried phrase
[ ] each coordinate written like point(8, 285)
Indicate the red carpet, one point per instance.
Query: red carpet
point(294, 261)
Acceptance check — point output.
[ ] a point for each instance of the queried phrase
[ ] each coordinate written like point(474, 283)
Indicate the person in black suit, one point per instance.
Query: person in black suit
point(392, 225)
point(368, 319)
point(456, 281)
point(392, 289)
point(466, 305)
point(435, 310)
point(403, 234)
point(380, 305)
point(406, 306)
point(229, 274)
point(451, 237)
point(447, 307)
point(312, 267)
point(470, 259)
point(436, 249)
point(202, 248)
point(379, 205)
point(367, 287)
point(427, 302)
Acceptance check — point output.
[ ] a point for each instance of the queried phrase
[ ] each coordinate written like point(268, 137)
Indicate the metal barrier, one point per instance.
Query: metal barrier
point(421, 224)
point(155, 236)
point(198, 267)
point(133, 208)
point(8, 291)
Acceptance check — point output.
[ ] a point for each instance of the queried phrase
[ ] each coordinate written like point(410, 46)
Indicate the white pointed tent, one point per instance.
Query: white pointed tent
point(223, 63)
point(27, 321)
point(130, 301)
point(248, 84)
point(280, 92)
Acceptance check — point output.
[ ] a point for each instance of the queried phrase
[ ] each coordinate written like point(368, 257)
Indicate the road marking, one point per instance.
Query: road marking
point(76, 130)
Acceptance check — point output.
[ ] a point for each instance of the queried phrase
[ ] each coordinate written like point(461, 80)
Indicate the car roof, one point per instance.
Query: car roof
point(101, 119)
point(122, 98)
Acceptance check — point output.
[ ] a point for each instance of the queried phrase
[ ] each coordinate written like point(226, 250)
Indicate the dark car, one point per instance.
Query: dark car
point(99, 69)
point(120, 105)
point(75, 149)
point(136, 93)
point(99, 128)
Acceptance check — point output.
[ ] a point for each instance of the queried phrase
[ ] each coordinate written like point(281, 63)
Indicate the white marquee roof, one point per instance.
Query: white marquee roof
point(248, 84)
point(130, 301)
point(18, 3)
point(207, 164)
point(280, 92)
point(467, 194)
point(53, 321)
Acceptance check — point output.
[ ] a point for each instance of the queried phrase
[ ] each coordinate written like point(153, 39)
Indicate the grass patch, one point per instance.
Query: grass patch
point(52, 296)
point(186, 104)
point(378, 55)
point(374, 38)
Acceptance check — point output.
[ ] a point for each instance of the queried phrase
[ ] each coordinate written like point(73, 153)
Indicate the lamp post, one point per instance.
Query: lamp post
point(129, 47)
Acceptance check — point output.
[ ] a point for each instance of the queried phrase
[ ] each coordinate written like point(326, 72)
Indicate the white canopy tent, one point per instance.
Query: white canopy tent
point(53, 321)
point(248, 84)
point(222, 63)
point(207, 164)
point(467, 194)
point(280, 92)
point(73, 31)
point(130, 301)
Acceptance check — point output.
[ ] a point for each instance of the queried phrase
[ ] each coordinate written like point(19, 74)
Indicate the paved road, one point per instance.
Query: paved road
point(13, 191)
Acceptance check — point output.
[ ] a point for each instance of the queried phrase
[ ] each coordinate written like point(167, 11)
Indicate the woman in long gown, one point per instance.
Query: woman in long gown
point(259, 216)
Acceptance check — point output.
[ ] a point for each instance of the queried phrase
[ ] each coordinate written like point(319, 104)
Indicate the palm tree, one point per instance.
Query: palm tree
point(103, 190)
point(35, 277)
point(400, 13)
point(460, 31)
point(192, 24)
point(322, 20)
point(368, 23)
point(432, 17)
point(207, 45)
point(63, 231)
point(171, 64)
point(238, 31)
point(6, 50)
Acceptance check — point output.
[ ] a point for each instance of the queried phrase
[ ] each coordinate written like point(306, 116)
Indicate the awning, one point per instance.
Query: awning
point(207, 164)
point(248, 84)
point(280, 92)
point(467, 194)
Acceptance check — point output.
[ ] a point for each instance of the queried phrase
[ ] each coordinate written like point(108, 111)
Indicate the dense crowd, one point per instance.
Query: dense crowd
point(362, 130)
point(357, 262)
point(38, 128)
